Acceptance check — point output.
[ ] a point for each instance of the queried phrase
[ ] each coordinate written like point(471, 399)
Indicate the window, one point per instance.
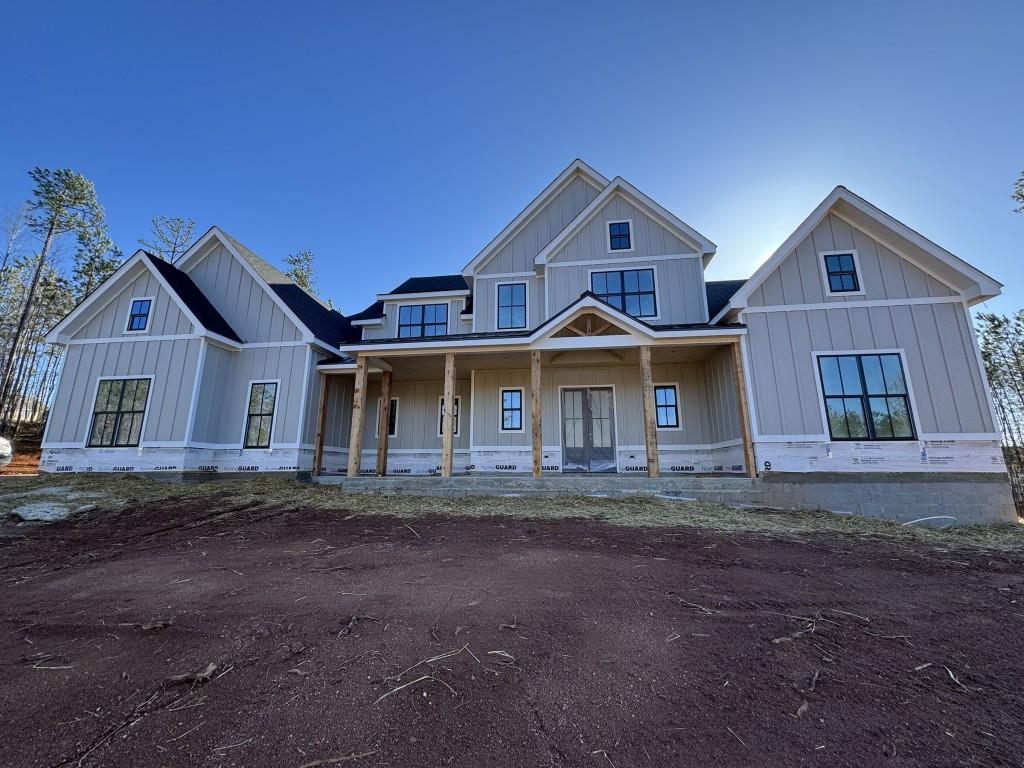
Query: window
point(511, 410)
point(392, 417)
point(866, 397)
point(631, 290)
point(666, 406)
point(440, 416)
point(422, 320)
point(619, 238)
point(259, 420)
point(138, 315)
point(118, 414)
point(841, 272)
point(511, 305)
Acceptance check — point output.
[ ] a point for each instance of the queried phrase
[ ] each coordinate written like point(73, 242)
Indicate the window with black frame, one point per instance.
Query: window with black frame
point(666, 406)
point(118, 413)
point(619, 238)
point(511, 306)
point(455, 416)
point(138, 315)
point(841, 271)
point(259, 422)
point(415, 320)
point(631, 290)
point(511, 410)
point(866, 397)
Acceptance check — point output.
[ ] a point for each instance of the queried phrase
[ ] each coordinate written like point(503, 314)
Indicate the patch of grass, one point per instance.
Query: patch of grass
point(640, 510)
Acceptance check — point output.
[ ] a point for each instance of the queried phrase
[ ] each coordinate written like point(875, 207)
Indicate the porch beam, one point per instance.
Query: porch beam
point(321, 422)
point(650, 415)
point(448, 416)
point(535, 426)
point(355, 438)
point(384, 422)
point(741, 399)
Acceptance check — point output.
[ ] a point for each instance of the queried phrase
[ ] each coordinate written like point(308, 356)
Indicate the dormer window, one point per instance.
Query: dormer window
point(138, 315)
point(620, 238)
point(416, 320)
point(841, 273)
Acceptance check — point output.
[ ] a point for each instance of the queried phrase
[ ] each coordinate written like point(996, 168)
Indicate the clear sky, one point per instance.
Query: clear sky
point(396, 140)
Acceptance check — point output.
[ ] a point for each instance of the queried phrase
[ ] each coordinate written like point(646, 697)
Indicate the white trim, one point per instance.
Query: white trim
point(608, 235)
point(615, 418)
point(472, 403)
point(815, 354)
point(504, 275)
point(923, 437)
point(149, 313)
point(858, 273)
point(369, 321)
point(526, 302)
point(623, 260)
point(679, 406)
point(92, 414)
point(53, 394)
point(981, 369)
point(576, 168)
point(305, 394)
point(522, 410)
point(748, 383)
point(852, 304)
point(447, 317)
point(422, 295)
point(194, 404)
point(273, 416)
point(458, 415)
point(396, 402)
point(653, 267)
point(619, 185)
point(121, 339)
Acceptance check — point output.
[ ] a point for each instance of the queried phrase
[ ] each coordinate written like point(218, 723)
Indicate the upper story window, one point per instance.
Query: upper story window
point(666, 406)
point(511, 305)
point(866, 397)
point(138, 315)
point(841, 272)
point(422, 320)
point(620, 238)
point(118, 413)
point(631, 290)
point(259, 420)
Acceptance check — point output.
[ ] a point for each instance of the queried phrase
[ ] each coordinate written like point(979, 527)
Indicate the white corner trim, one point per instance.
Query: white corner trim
point(858, 273)
point(193, 405)
point(608, 236)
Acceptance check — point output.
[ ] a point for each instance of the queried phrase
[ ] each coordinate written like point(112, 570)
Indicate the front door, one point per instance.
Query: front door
point(588, 430)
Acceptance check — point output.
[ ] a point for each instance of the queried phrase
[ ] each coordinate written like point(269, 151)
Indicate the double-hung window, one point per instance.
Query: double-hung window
point(259, 421)
point(511, 305)
point(841, 273)
point(416, 320)
point(631, 290)
point(666, 406)
point(511, 410)
point(455, 414)
point(138, 315)
point(118, 414)
point(866, 397)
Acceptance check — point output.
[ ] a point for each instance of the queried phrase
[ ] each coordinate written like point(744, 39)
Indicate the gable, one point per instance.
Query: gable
point(882, 273)
point(108, 318)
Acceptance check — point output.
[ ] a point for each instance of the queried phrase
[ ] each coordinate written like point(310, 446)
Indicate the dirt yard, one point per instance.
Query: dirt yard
point(273, 624)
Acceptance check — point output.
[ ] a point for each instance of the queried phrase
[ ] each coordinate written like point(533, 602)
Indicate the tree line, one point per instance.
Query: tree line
point(56, 250)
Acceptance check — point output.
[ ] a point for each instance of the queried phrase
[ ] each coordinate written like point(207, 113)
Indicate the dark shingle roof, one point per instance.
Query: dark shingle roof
point(719, 293)
point(193, 298)
point(432, 283)
point(372, 312)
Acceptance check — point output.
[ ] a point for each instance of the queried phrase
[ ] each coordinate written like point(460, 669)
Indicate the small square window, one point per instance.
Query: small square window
point(619, 238)
point(138, 316)
point(841, 273)
point(666, 406)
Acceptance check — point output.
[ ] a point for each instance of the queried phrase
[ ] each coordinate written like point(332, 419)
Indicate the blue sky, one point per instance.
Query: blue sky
point(396, 140)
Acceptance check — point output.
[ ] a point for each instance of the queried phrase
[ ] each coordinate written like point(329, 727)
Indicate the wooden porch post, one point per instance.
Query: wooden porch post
point(448, 416)
point(321, 422)
point(535, 428)
point(741, 398)
point(650, 415)
point(355, 438)
point(383, 422)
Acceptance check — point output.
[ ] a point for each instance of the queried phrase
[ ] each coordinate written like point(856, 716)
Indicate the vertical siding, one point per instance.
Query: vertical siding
point(171, 363)
point(111, 319)
point(418, 414)
point(244, 303)
point(884, 274)
point(485, 306)
point(390, 328)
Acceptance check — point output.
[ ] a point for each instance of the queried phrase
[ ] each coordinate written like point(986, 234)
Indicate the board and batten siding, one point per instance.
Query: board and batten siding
point(418, 414)
point(244, 303)
point(171, 363)
point(485, 301)
point(518, 253)
point(111, 319)
point(942, 366)
point(224, 393)
point(390, 328)
point(883, 274)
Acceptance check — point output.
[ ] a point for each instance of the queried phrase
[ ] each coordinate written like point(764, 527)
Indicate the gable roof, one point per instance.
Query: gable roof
point(719, 292)
point(577, 168)
point(619, 185)
point(973, 284)
point(193, 298)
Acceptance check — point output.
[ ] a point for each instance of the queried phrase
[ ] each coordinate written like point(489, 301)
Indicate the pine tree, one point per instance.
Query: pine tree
point(301, 270)
point(171, 237)
point(96, 259)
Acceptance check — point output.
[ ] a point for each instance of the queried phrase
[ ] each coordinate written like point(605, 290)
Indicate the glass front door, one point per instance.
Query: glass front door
point(588, 430)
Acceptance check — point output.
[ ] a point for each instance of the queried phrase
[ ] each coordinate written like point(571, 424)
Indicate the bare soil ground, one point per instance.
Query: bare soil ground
point(324, 629)
point(25, 460)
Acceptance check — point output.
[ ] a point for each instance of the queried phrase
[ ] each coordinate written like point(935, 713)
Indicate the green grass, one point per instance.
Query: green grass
point(641, 510)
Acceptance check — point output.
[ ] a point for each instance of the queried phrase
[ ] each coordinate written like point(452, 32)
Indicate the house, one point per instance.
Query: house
point(583, 339)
